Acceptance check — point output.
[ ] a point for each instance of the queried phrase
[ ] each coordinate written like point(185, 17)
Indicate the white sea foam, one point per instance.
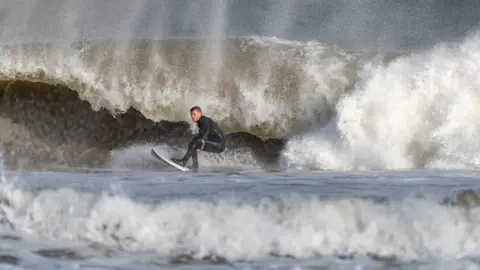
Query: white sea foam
point(412, 229)
point(264, 85)
point(420, 110)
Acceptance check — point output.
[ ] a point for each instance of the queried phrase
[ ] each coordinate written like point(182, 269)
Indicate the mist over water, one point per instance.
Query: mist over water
point(351, 24)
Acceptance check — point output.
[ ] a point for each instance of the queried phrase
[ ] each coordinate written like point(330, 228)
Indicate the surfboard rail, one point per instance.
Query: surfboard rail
point(168, 162)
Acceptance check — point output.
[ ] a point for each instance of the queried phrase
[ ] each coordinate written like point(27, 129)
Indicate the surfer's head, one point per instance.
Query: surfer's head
point(195, 113)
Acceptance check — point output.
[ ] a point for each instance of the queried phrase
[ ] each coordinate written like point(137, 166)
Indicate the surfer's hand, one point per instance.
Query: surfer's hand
point(203, 144)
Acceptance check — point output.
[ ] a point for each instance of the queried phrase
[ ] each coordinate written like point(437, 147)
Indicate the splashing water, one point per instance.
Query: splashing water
point(418, 111)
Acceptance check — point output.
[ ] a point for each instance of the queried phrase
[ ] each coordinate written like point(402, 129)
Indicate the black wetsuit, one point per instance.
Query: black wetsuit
point(211, 134)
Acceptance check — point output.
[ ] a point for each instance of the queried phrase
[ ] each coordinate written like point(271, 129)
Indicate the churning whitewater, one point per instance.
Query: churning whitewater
point(337, 110)
point(410, 229)
point(420, 110)
point(265, 86)
point(259, 88)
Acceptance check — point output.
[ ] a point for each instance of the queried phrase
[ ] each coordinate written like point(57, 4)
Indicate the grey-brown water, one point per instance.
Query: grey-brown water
point(352, 134)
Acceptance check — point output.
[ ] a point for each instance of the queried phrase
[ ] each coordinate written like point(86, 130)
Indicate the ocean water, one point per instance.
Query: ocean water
point(239, 219)
point(352, 134)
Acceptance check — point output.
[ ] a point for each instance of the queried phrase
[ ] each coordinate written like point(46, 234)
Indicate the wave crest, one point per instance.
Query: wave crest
point(267, 87)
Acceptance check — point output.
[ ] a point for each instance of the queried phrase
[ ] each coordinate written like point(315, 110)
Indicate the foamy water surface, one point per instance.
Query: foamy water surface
point(245, 219)
point(350, 89)
point(338, 109)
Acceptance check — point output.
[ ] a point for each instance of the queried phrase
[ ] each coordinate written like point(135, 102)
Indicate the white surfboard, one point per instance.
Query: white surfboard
point(169, 162)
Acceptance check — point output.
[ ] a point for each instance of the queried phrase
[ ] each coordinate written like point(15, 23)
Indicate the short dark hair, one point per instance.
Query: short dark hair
point(195, 108)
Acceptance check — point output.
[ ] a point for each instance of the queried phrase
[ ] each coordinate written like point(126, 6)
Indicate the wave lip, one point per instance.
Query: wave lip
point(265, 86)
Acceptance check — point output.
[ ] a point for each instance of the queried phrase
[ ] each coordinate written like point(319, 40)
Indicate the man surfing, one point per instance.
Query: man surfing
point(209, 139)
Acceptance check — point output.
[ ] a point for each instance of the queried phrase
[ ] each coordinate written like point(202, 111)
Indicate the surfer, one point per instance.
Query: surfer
point(209, 139)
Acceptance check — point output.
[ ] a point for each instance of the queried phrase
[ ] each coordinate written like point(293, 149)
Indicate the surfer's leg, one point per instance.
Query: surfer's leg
point(192, 149)
point(194, 159)
point(191, 152)
point(209, 146)
point(213, 147)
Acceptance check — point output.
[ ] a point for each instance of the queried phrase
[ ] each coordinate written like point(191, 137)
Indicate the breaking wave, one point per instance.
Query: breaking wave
point(91, 97)
point(419, 111)
point(412, 229)
point(267, 87)
point(76, 102)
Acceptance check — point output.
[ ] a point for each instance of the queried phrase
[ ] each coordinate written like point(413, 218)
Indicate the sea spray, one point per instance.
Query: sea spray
point(418, 111)
point(264, 86)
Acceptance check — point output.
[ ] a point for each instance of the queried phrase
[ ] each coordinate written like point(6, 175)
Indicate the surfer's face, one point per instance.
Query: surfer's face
point(195, 115)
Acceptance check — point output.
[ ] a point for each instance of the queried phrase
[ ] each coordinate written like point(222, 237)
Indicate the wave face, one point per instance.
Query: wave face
point(337, 109)
point(420, 110)
point(412, 229)
point(110, 94)
point(45, 123)
point(262, 86)
point(81, 78)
